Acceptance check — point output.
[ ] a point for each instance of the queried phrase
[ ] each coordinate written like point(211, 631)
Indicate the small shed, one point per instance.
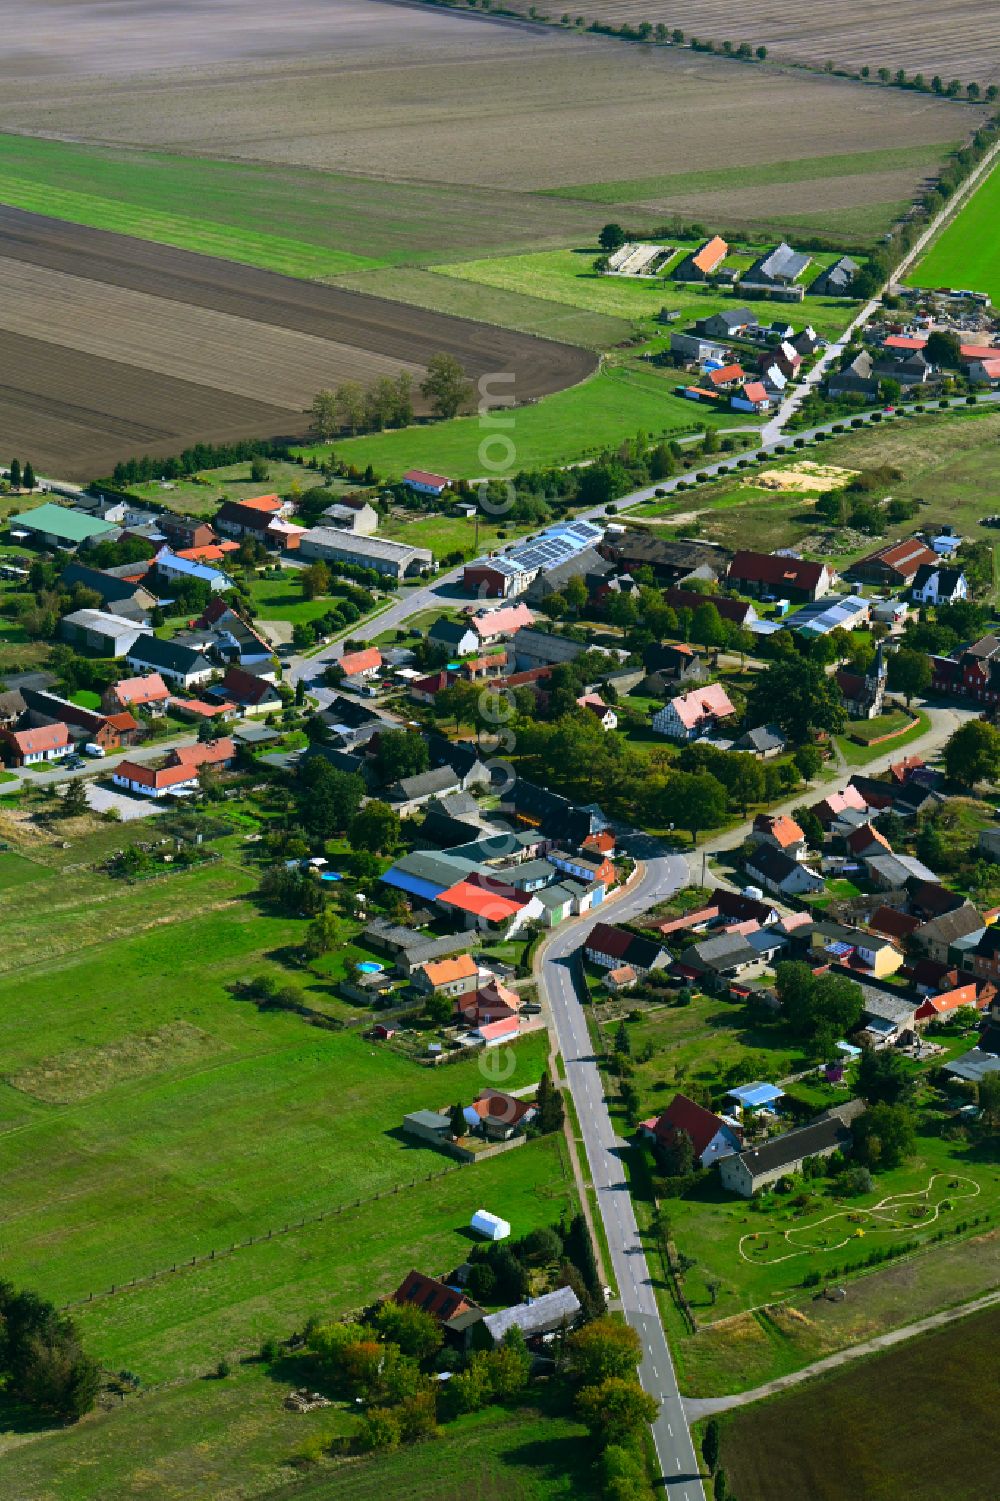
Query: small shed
point(489, 1225)
point(756, 1096)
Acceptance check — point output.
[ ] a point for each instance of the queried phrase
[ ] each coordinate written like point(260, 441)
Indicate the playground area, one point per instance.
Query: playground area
point(895, 1214)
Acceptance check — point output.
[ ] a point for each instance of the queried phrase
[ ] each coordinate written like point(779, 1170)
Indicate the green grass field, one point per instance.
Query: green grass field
point(566, 276)
point(201, 495)
point(560, 429)
point(232, 1440)
point(296, 221)
point(830, 1439)
point(143, 1123)
point(469, 299)
point(966, 253)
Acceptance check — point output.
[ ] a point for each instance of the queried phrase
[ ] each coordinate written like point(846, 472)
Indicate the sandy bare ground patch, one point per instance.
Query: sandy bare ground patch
point(806, 478)
point(475, 103)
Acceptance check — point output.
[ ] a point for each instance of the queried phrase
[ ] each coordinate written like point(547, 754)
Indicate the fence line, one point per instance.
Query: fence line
point(217, 1253)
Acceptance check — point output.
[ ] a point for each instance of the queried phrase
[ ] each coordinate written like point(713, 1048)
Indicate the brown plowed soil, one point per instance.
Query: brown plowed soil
point(112, 347)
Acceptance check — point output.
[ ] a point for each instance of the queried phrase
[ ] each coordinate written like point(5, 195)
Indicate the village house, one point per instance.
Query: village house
point(150, 693)
point(710, 1135)
point(936, 585)
point(692, 714)
point(452, 976)
point(180, 772)
point(251, 694)
point(780, 873)
point(702, 263)
point(765, 741)
point(29, 747)
point(498, 625)
point(768, 575)
point(893, 566)
point(747, 1172)
point(781, 831)
point(499, 1116)
point(455, 636)
point(545, 1315)
point(610, 947)
point(424, 482)
point(456, 1313)
point(175, 663)
point(352, 513)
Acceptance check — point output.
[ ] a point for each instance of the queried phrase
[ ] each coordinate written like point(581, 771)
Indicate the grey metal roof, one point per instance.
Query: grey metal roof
point(548, 1312)
point(974, 1065)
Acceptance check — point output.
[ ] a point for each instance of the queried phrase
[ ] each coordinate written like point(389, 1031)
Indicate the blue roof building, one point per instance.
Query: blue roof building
point(170, 566)
point(756, 1096)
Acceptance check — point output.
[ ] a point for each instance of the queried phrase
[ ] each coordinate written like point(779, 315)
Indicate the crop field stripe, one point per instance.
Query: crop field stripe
point(73, 406)
point(763, 174)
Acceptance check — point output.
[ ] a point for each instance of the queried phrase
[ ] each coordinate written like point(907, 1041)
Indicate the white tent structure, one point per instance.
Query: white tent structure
point(489, 1225)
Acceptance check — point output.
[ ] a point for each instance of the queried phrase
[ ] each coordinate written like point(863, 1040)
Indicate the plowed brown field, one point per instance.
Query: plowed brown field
point(111, 347)
point(955, 38)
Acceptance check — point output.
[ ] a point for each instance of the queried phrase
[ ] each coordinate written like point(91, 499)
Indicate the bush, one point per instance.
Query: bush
point(223, 1369)
point(855, 1181)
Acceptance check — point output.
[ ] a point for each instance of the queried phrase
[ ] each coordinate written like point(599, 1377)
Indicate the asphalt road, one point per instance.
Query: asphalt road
point(561, 976)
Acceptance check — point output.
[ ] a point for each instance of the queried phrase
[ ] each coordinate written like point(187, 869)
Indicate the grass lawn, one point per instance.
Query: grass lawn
point(870, 730)
point(567, 276)
point(86, 699)
point(558, 429)
point(446, 534)
point(142, 1122)
point(761, 1249)
point(294, 220)
point(282, 599)
point(202, 494)
point(698, 1043)
point(966, 253)
point(232, 1440)
point(522, 1454)
point(829, 1438)
point(859, 755)
point(469, 299)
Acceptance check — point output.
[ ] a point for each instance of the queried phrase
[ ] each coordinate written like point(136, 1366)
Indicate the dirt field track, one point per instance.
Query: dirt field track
point(112, 347)
point(955, 38)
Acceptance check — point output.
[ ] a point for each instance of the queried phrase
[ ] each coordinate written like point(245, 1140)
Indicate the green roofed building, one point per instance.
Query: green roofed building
point(59, 526)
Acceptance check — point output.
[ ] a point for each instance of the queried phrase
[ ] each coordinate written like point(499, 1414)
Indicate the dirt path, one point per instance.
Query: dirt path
point(702, 1407)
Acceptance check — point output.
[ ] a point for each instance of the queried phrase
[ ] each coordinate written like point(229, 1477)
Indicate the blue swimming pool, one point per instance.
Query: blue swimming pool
point(369, 967)
point(331, 875)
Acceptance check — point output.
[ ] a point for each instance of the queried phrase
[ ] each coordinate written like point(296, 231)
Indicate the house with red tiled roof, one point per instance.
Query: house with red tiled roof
point(457, 975)
point(691, 714)
point(711, 1137)
point(149, 692)
point(892, 924)
point(754, 397)
point(764, 574)
point(493, 1034)
point(498, 1115)
point(489, 905)
point(902, 771)
point(867, 839)
point(456, 1313)
point(49, 742)
point(360, 664)
point(781, 831)
point(937, 1007)
point(492, 1002)
point(894, 565)
point(611, 947)
point(727, 377)
point(424, 482)
point(496, 625)
point(178, 774)
point(254, 695)
point(829, 808)
point(700, 264)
